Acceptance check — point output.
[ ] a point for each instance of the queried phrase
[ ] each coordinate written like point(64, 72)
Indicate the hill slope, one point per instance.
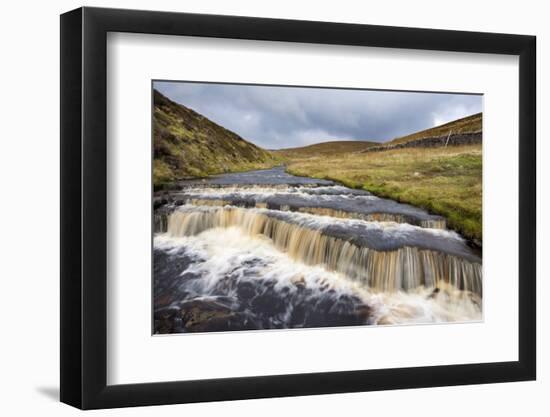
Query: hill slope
point(443, 180)
point(467, 124)
point(187, 144)
point(326, 148)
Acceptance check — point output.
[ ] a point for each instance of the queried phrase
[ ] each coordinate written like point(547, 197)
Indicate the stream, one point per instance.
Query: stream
point(268, 250)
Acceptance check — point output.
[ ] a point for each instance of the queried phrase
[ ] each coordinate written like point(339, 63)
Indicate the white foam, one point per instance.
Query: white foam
point(318, 221)
point(220, 252)
point(261, 193)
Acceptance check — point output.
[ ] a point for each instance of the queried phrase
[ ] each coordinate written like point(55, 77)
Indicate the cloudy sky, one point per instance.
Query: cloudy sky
point(283, 117)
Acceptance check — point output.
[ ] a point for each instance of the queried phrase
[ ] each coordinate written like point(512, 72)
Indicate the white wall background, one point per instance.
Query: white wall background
point(29, 172)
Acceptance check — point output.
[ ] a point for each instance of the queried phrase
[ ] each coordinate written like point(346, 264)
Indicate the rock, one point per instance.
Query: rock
point(270, 303)
point(298, 316)
point(363, 312)
point(342, 311)
point(434, 293)
point(159, 202)
point(164, 319)
point(246, 291)
point(163, 300)
point(299, 281)
point(210, 316)
point(166, 312)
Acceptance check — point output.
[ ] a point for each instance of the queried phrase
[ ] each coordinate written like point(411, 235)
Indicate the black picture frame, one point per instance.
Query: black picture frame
point(84, 207)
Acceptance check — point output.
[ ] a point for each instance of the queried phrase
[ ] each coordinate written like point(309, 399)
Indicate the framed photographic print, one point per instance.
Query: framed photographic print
point(300, 207)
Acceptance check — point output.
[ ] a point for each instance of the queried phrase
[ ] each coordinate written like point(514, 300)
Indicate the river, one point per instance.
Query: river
point(269, 250)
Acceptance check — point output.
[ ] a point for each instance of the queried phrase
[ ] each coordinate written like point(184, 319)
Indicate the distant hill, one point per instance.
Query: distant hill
point(187, 144)
point(461, 129)
point(326, 148)
point(469, 124)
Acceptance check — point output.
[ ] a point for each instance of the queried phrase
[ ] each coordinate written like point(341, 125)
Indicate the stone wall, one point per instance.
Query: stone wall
point(433, 142)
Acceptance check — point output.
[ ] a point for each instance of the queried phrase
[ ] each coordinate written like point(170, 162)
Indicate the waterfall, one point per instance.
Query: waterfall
point(375, 217)
point(404, 268)
point(437, 223)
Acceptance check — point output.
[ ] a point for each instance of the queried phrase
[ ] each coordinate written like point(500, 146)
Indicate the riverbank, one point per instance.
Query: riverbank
point(446, 181)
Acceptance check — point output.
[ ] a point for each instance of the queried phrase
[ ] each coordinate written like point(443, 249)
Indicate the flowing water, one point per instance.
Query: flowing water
point(265, 249)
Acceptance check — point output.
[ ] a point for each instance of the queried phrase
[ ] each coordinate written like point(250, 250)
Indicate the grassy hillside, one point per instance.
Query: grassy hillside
point(468, 124)
point(445, 181)
point(326, 148)
point(187, 144)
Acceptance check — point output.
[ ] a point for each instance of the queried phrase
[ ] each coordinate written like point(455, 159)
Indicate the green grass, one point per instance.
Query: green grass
point(445, 181)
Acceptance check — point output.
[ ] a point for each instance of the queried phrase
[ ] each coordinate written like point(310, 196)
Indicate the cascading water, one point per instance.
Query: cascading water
point(284, 253)
point(402, 268)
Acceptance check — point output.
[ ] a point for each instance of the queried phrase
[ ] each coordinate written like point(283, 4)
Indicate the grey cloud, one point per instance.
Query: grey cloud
point(281, 117)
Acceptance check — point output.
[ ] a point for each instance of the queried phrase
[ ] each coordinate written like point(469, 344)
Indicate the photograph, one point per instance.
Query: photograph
point(286, 207)
point(268, 209)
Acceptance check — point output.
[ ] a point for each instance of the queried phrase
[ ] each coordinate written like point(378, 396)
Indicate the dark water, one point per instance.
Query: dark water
point(273, 176)
point(276, 189)
point(265, 249)
point(243, 300)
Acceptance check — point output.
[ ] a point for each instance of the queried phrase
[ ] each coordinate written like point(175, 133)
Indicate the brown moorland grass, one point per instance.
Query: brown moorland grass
point(326, 148)
point(445, 181)
point(467, 124)
point(189, 145)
